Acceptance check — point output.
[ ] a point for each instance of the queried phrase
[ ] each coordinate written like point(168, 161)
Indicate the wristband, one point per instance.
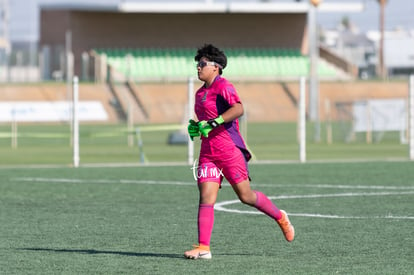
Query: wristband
point(216, 122)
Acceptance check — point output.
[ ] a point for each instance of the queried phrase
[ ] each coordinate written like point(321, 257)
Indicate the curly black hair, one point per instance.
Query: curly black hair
point(212, 53)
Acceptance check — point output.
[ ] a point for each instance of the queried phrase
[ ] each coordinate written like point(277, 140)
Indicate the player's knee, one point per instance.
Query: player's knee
point(247, 198)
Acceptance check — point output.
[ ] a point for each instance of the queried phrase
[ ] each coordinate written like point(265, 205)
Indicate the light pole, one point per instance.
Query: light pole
point(381, 66)
point(313, 68)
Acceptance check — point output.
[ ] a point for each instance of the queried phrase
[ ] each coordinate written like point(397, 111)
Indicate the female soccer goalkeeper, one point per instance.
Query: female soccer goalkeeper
point(223, 151)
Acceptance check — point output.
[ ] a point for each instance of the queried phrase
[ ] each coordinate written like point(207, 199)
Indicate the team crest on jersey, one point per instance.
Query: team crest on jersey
point(204, 96)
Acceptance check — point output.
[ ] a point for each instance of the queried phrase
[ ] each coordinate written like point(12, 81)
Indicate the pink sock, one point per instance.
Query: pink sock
point(266, 206)
point(205, 223)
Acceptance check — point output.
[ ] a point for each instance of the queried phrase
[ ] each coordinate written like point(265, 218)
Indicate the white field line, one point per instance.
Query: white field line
point(319, 186)
point(327, 186)
point(183, 163)
point(63, 180)
point(220, 206)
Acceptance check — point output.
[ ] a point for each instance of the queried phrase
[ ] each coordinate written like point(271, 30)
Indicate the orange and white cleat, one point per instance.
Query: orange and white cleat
point(286, 227)
point(199, 252)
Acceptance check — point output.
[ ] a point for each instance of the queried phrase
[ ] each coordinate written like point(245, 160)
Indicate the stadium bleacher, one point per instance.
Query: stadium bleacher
point(242, 62)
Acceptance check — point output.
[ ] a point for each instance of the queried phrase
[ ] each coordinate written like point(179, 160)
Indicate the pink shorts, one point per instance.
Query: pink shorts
point(230, 164)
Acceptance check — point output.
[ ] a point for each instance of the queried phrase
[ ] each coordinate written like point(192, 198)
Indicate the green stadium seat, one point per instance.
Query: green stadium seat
point(141, 63)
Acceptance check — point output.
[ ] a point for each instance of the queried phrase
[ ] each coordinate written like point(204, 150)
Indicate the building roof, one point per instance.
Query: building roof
point(210, 7)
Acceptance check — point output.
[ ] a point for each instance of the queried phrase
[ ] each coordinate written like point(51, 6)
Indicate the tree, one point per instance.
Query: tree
point(346, 23)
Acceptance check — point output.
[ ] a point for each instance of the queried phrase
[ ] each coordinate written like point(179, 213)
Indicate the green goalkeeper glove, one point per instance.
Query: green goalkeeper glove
point(206, 126)
point(193, 129)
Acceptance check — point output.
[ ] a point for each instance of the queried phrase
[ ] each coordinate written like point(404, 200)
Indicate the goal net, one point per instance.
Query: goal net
point(374, 118)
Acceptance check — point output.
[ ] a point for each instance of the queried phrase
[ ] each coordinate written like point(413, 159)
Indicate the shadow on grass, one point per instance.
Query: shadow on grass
point(93, 252)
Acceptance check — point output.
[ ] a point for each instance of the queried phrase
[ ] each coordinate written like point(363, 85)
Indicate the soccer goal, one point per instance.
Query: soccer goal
point(376, 117)
point(411, 117)
point(373, 117)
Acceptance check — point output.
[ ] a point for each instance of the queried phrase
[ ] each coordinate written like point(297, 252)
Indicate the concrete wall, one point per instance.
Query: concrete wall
point(264, 102)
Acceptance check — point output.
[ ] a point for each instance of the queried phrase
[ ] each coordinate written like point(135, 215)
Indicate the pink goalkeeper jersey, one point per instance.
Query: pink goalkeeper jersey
point(210, 103)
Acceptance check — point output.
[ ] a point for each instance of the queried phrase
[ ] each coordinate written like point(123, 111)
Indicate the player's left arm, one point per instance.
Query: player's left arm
point(235, 111)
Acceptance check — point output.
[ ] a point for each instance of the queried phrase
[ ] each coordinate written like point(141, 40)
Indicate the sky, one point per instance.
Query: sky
point(399, 14)
point(24, 14)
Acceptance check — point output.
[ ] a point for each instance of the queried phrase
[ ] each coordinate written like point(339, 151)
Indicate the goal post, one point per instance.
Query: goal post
point(190, 145)
point(302, 120)
point(411, 116)
point(75, 121)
